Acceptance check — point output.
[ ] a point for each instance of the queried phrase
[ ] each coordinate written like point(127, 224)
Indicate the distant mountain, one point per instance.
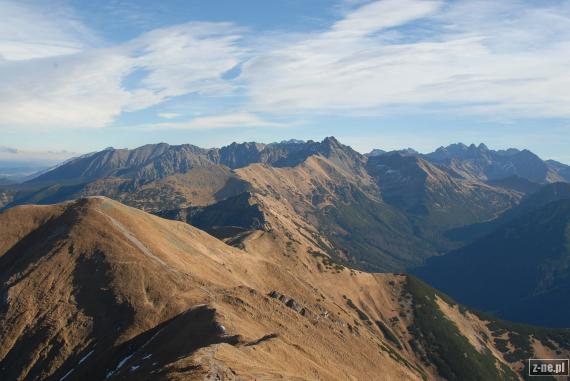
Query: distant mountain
point(547, 194)
point(520, 271)
point(403, 152)
point(516, 183)
point(376, 152)
point(156, 176)
point(478, 162)
point(153, 161)
point(384, 212)
point(284, 154)
point(290, 141)
point(161, 176)
point(156, 161)
point(481, 163)
point(533, 201)
point(436, 192)
point(562, 170)
point(332, 193)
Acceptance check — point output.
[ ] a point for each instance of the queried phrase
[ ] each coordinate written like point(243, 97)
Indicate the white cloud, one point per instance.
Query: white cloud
point(233, 120)
point(8, 155)
point(169, 115)
point(44, 85)
point(379, 15)
point(27, 33)
point(79, 90)
point(477, 57)
point(188, 58)
point(504, 59)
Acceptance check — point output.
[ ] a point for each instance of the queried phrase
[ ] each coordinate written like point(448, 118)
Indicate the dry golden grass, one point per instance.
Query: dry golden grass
point(95, 275)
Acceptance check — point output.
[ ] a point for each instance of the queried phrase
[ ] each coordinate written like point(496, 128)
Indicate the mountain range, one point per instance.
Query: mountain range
point(285, 260)
point(410, 200)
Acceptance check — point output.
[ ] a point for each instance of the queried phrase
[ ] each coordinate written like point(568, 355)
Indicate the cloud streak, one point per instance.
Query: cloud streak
point(46, 86)
point(432, 55)
point(28, 33)
point(507, 59)
point(233, 120)
point(13, 155)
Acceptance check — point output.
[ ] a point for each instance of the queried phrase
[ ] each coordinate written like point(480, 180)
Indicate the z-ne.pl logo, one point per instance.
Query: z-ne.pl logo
point(548, 367)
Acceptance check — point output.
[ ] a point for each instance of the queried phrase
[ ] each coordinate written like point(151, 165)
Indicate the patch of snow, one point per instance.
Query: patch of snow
point(134, 367)
point(151, 339)
point(67, 374)
point(146, 357)
point(86, 356)
point(121, 363)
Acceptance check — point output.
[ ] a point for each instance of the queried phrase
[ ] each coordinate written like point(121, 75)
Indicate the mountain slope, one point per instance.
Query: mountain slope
point(129, 296)
point(484, 164)
point(352, 202)
point(172, 173)
point(517, 184)
point(201, 185)
point(96, 290)
point(444, 198)
point(345, 210)
point(225, 219)
point(518, 272)
point(383, 212)
point(535, 200)
point(562, 170)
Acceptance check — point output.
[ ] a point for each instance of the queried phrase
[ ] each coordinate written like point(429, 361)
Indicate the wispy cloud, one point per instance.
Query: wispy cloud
point(169, 115)
point(28, 33)
point(87, 86)
point(13, 155)
point(506, 59)
point(380, 15)
point(233, 120)
point(477, 57)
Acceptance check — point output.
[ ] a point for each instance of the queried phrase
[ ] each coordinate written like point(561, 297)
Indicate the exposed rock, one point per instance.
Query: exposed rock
point(292, 303)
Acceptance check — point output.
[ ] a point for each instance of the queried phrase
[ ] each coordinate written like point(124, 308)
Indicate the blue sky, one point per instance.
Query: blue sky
point(80, 76)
